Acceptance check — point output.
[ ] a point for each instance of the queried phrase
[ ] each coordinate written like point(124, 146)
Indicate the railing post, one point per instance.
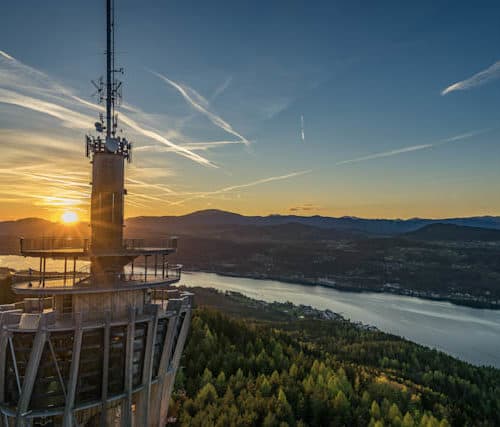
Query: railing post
point(44, 270)
point(40, 273)
point(74, 271)
point(156, 264)
point(65, 269)
point(145, 268)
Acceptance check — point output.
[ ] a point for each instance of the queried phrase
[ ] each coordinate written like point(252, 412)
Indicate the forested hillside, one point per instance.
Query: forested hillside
point(297, 371)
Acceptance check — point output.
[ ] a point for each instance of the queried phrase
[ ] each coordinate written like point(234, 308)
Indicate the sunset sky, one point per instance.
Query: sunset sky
point(379, 109)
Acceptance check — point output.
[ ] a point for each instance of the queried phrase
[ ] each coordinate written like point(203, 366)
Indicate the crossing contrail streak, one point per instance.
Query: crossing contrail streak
point(197, 105)
point(478, 79)
point(413, 147)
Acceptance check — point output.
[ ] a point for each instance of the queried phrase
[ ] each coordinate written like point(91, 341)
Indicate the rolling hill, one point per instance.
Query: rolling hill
point(452, 232)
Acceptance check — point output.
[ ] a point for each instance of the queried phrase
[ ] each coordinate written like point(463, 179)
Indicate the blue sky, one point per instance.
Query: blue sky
point(226, 84)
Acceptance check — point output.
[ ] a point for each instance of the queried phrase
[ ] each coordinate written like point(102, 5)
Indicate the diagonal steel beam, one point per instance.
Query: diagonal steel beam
point(56, 365)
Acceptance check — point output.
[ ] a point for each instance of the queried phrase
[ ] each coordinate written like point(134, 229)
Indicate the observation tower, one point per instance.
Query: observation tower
point(98, 346)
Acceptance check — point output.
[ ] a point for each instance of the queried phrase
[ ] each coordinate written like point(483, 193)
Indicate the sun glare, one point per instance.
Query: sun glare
point(69, 217)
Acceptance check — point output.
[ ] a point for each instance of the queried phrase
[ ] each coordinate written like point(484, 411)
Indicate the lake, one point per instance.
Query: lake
point(470, 334)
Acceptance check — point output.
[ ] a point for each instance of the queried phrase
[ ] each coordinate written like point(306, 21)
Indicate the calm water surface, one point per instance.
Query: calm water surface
point(470, 334)
point(467, 333)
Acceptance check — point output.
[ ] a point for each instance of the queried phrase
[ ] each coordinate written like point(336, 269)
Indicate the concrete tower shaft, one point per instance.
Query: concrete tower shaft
point(107, 202)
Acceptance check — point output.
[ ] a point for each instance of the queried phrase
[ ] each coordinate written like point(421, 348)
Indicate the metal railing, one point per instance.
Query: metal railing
point(170, 243)
point(171, 273)
point(83, 277)
point(54, 243)
point(61, 243)
point(35, 276)
point(38, 279)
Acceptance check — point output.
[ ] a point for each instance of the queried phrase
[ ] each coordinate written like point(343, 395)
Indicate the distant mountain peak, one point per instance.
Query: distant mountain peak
point(211, 212)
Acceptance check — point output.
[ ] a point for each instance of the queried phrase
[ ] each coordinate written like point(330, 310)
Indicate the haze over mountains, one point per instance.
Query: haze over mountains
point(216, 220)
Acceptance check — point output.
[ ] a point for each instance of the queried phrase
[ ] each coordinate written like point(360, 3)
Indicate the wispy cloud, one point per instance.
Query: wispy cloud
point(194, 146)
point(49, 173)
point(201, 104)
point(306, 207)
point(152, 134)
point(26, 87)
point(67, 116)
point(222, 88)
point(412, 148)
point(232, 188)
point(52, 191)
point(478, 79)
point(272, 108)
point(42, 179)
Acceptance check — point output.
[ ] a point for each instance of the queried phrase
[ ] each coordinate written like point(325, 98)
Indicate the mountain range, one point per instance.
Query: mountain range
point(389, 227)
point(217, 220)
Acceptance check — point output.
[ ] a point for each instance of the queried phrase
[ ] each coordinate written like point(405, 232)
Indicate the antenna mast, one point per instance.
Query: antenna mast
point(113, 86)
point(109, 91)
point(109, 68)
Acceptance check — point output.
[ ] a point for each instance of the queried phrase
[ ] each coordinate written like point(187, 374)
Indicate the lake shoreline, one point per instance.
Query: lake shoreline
point(435, 324)
point(353, 289)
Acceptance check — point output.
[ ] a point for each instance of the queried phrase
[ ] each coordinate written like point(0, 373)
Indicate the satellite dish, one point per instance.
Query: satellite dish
point(111, 145)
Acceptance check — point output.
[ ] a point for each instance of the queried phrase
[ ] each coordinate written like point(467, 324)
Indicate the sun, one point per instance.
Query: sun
point(69, 217)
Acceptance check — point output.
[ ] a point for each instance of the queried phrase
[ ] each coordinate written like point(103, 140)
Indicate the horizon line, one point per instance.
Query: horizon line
point(292, 214)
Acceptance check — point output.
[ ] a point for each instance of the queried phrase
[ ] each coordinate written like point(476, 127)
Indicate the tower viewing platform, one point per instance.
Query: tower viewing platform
point(153, 269)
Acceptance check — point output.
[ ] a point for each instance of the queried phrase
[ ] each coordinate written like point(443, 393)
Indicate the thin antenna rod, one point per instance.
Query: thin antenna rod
point(109, 69)
point(111, 143)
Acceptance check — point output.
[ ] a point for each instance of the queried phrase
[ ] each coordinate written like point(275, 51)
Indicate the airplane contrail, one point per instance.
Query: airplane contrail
point(6, 55)
point(478, 79)
point(231, 188)
point(413, 147)
point(194, 146)
point(197, 105)
point(302, 134)
point(222, 88)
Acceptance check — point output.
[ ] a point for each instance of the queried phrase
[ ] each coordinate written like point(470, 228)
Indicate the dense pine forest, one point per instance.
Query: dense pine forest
point(249, 363)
